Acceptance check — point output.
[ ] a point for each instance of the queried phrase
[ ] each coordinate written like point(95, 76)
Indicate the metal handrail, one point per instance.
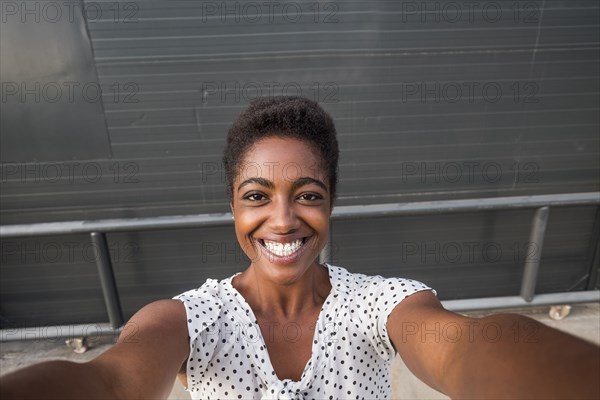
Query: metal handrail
point(341, 212)
point(98, 229)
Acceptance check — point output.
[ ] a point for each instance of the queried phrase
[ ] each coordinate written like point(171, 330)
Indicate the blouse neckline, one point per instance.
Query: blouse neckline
point(259, 348)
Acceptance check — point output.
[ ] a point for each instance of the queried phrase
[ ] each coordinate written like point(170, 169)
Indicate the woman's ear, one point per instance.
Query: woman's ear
point(231, 206)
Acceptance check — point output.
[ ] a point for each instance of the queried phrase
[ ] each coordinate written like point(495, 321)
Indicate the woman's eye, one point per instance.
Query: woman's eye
point(254, 197)
point(310, 197)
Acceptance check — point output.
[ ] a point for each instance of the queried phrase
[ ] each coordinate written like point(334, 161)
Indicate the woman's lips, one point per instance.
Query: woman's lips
point(283, 252)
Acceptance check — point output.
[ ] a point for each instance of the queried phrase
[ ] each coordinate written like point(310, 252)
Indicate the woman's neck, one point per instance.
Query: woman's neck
point(285, 301)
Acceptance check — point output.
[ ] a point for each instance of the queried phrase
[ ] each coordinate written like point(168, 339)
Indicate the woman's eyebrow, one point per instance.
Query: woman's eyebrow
point(259, 181)
point(305, 180)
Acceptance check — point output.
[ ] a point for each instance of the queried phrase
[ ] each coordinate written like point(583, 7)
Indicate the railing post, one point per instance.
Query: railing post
point(107, 279)
point(532, 261)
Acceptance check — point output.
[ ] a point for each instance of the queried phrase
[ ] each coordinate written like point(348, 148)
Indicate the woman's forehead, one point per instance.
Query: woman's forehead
point(277, 157)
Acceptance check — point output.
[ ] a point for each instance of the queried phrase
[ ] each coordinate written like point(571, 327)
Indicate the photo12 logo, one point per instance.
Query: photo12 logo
point(225, 252)
point(468, 252)
point(63, 333)
point(469, 172)
point(471, 12)
point(69, 92)
point(65, 252)
point(270, 12)
point(48, 11)
point(214, 172)
point(290, 331)
point(69, 172)
point(469, 331)
point(223, 92)
point(469, 91)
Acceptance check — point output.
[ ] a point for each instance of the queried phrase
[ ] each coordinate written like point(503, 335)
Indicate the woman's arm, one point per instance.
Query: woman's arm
point(142, 364)
point(499, 356)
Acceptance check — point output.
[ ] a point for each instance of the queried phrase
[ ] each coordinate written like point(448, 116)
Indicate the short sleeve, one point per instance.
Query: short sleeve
point(377, 297)
point(203, 308)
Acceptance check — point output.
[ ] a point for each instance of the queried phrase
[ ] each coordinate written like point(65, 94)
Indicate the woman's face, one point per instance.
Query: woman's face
point(281, 207)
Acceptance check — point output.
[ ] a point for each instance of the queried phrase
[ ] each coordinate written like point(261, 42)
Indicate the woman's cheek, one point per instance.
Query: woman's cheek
point(250, 251)
point(244, 240)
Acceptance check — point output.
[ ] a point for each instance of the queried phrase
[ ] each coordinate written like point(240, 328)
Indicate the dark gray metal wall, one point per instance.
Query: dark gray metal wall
point(429, 104)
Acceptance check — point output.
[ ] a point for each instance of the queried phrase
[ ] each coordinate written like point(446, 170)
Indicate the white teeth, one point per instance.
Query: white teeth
point(281, 249)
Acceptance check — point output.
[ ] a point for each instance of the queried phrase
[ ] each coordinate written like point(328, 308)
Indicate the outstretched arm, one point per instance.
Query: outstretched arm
point(499, 356)
point(142, 365)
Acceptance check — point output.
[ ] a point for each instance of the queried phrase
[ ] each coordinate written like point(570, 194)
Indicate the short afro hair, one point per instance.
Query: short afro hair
point(282, 116)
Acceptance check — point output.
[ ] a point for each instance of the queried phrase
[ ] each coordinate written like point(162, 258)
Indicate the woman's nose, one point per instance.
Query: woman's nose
point(283, 217)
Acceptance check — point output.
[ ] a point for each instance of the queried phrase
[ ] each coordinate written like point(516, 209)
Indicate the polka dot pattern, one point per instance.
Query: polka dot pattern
point(351, 350)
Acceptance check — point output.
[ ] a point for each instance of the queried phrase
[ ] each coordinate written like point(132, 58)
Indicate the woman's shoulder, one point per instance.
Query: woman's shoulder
point(357, 283)
point(210, 289)
point(358, 279)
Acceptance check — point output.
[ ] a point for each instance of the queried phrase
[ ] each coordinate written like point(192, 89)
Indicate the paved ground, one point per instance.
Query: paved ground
point(583, 321)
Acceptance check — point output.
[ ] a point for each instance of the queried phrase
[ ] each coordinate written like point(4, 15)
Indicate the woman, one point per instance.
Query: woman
point(288, 327)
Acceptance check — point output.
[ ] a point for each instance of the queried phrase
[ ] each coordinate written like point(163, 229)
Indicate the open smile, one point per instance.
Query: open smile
point(283, 252)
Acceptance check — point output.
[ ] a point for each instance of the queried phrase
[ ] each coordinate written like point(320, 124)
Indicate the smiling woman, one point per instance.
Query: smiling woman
point(307, 318)
point(288, 327)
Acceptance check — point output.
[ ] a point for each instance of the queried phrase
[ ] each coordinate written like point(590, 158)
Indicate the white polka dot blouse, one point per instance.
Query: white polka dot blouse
point(351, 350)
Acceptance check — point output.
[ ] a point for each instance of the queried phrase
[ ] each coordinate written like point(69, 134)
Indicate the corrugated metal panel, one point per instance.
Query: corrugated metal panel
point(427, 107)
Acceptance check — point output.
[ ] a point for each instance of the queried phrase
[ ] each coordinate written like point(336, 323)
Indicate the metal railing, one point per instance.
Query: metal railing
point(98, 229)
